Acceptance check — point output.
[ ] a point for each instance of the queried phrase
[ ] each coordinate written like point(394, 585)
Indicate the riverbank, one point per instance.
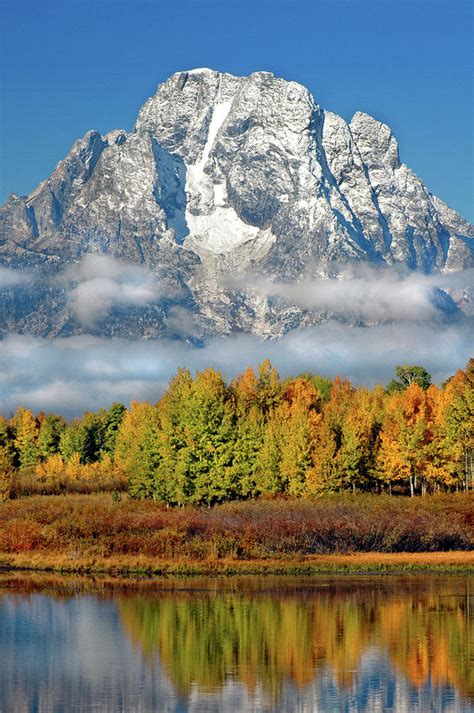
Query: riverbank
point(358, 562)
point(98, 534)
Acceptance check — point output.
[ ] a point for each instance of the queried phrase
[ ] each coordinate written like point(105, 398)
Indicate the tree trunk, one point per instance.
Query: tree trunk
point(412, 489)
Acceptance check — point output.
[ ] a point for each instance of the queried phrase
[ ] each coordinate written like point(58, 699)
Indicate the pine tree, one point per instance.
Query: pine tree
point(249, 432)
point(112, 421)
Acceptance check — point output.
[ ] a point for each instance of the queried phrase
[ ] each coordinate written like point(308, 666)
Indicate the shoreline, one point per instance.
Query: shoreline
point(141, 566)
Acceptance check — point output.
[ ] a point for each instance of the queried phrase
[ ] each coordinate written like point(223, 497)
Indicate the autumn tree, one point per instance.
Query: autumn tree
point(136, 451)
point(298, 415)
point(405, 438)
point(458, 421)
point(26, 438)
point(49, 436)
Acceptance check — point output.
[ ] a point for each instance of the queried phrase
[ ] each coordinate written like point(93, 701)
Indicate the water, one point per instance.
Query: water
point(372, 643)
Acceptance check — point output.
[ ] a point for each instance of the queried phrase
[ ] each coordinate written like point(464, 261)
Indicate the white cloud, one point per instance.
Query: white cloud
point(364, 293)
point(99, 282)
point(70, 375)
point(11, 278)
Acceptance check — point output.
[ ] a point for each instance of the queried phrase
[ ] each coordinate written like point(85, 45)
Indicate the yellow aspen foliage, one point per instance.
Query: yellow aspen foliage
point(6, 473)
point(130, 436)
point(74, 468)
point(51, 470)
point(404, 438)
point(299, 416)
point(246, 387)
point(26, 438)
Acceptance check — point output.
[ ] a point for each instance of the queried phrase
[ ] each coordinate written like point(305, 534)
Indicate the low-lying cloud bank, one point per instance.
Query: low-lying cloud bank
point(12, 278)
point(358, 292)
point(73, 374)
point(367, 293)
point(99, 282)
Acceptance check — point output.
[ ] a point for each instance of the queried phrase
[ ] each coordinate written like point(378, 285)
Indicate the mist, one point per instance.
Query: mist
point(73, 374)
point(366, 293)
point(99, 282)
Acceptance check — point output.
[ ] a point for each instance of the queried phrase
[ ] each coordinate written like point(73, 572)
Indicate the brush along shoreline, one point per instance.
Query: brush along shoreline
point(337, 533)
point(356, 563)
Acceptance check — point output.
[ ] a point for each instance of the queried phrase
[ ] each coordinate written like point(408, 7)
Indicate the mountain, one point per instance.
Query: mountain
point(225, 184)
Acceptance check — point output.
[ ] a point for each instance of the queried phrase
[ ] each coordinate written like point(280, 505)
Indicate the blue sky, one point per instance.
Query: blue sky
point(73, 65)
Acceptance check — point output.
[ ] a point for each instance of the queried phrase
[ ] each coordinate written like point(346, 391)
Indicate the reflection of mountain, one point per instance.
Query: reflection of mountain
point(273, 644)
point(267, 639)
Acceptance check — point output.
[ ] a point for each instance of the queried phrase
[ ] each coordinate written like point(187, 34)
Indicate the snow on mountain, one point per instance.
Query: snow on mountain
point(225, 177)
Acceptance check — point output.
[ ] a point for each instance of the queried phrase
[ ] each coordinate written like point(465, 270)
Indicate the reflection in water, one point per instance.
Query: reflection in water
point(250, 644)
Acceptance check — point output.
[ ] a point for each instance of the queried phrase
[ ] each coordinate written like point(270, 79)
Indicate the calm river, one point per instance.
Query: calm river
point(346, 643)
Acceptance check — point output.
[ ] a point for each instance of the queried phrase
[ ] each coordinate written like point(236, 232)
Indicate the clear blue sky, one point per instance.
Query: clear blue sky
point(72, 65)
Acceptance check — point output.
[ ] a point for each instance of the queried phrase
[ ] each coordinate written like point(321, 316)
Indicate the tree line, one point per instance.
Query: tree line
point(208, 440)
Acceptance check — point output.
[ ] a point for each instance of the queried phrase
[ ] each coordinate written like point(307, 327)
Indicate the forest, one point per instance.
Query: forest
point(208, 440)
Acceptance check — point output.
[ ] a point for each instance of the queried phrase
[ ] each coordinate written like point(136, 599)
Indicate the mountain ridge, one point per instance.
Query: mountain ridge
point(224, 175)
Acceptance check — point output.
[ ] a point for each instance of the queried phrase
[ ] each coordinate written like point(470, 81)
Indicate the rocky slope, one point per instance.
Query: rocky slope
point(224, 182)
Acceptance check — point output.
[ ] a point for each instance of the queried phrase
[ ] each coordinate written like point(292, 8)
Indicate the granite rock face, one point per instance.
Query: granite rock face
point(223, 178)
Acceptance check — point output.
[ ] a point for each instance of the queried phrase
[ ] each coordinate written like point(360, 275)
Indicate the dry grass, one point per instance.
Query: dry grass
point(356, 562)
point(94, 533)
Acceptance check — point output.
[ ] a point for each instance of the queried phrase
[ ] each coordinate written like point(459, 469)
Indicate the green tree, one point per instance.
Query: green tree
point(84, 436)
point(137, 452)
point(112, 421)
point(7, 438)
point(248, 434)
point(49, 436)
point(268, 477)
point(458, 422)
point(407, 375)
point(26, 438)
point(298, 415)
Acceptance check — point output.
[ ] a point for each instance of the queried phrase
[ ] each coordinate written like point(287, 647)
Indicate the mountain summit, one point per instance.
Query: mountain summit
point(223, 182)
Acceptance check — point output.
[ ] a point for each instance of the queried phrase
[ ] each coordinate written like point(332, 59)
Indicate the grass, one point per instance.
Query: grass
point(375, 562)
point(92, 533)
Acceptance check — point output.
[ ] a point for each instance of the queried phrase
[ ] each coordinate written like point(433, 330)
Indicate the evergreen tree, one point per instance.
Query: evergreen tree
point(249, 432)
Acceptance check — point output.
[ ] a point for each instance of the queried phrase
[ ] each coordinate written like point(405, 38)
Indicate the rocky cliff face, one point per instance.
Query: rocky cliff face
point(224, 178)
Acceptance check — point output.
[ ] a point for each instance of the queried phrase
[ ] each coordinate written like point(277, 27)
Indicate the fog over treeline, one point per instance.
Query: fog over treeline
point(71, 374)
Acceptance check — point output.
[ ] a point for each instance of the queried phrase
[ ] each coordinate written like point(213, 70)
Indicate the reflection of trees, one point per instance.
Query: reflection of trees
point(431, 639)
point(203, 637)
